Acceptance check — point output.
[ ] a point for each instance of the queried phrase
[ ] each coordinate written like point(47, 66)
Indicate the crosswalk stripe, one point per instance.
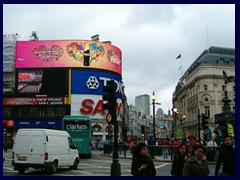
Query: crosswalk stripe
point(165, 164)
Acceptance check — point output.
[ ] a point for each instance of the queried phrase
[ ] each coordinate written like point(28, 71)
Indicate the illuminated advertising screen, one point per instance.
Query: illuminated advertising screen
point(68, 54)
point(49, 82)
point(91, 82)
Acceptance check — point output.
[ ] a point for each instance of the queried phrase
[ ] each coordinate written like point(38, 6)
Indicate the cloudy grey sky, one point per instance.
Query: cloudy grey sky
point(150, 36)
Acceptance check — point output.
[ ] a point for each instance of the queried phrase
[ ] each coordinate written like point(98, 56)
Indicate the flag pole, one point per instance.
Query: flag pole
point(181, 65)
point(180, 56)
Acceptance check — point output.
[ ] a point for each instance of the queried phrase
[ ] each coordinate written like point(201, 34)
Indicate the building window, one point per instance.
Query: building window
point(233, 88)
point(50, 112)
point(206, 99)
point(233, 109)
point(23, 112)
point(223, 87)
point(7, 112)
point(207, 110)
point(97, 128)
point(60, 112)
point(33, 112)
point(205, 87)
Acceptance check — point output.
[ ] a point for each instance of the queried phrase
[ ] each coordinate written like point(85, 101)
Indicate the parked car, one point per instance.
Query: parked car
point(102, 143)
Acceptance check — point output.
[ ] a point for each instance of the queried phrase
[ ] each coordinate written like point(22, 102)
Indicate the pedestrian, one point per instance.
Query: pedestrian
point(211, 148)
point(191, 144)
point(165, 147)
point(226, 158)
point(132, 146)
point(175, 145)
point(152, 144)
point(179, 160)
point(197, 164)
point(142, 164)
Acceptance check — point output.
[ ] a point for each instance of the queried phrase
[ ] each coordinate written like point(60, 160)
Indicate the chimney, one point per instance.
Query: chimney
point(95, 37)
point(107, 42)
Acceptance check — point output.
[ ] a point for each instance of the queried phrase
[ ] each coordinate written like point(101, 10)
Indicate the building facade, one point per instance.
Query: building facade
point(55, 78)
point(201, 89)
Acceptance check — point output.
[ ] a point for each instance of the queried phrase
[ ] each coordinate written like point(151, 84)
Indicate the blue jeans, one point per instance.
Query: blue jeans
point(165, 153)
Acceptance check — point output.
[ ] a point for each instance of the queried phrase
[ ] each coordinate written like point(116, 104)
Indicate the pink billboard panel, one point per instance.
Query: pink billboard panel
point(68, 53)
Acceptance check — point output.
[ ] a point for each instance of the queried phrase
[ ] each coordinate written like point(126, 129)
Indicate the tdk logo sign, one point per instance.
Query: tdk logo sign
point(92, 82)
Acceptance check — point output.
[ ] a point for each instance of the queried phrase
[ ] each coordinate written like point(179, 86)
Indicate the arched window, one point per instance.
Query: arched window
point(97, 128)
point(109, 128)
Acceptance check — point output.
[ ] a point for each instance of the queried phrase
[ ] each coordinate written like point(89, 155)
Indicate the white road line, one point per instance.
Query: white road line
point(7, 168)
point(64, 174)
point(92, 166)
point(165, 164)
point(84, 172)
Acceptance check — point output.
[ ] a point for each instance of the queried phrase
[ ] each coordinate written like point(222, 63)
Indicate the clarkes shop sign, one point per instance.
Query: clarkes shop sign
point(33, 101)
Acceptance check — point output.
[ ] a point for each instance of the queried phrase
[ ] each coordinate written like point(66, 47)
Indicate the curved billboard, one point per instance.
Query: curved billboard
point(86, 93)
point(69, 54)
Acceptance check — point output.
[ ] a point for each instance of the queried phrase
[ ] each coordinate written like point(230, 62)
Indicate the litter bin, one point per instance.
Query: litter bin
point(107, 148)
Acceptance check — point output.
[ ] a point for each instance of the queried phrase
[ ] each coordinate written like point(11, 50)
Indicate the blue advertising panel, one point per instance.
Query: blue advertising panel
point(91, 82)
point(38, 123)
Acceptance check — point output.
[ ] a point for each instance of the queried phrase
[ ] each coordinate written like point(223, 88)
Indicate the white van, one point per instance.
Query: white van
point(45, 149)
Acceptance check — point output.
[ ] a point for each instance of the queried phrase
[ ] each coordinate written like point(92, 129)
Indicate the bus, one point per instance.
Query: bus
point(80, 129)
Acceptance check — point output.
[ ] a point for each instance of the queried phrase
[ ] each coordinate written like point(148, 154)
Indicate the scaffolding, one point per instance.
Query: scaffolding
point(9, 49)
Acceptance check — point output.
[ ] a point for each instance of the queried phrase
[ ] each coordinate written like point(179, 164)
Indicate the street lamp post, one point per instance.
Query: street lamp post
point(183, 118)
point(153, 102)
point(174, 109)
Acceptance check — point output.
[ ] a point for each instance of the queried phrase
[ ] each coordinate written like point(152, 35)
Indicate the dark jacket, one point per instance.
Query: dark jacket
point(226, 158)
point(178, 164)
point(193, 168)
point(138, 161)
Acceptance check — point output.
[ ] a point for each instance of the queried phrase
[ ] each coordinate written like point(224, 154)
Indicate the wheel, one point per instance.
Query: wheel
point(53, 168)
point(75, 164)
point(21, 170)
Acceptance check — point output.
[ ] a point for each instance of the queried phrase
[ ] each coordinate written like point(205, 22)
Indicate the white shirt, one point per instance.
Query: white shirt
point(211, 143)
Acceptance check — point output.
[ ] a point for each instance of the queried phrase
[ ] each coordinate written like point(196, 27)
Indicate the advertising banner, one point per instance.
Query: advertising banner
point(38, 123)
point(31, 82)
point(91, 82)
point(179, 132)
point(92, 106)
point(68, 54)
point(33, 101)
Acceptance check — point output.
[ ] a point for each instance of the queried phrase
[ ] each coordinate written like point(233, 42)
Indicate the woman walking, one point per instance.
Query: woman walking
point(197, 165)
point(142, 164)
point(179, 160)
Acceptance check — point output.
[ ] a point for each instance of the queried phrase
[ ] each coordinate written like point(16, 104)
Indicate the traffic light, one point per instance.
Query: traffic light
point(111, 99)
point(142, 129)
point(4, 128)
point(204, 122)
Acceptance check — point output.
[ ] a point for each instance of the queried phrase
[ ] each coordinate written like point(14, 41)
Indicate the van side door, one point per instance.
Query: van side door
point(37, 148)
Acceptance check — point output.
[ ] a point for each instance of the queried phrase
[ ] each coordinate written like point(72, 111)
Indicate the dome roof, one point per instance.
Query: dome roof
point(160, 111)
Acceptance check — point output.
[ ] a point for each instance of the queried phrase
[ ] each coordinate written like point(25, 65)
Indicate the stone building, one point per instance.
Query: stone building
point(201, 88)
